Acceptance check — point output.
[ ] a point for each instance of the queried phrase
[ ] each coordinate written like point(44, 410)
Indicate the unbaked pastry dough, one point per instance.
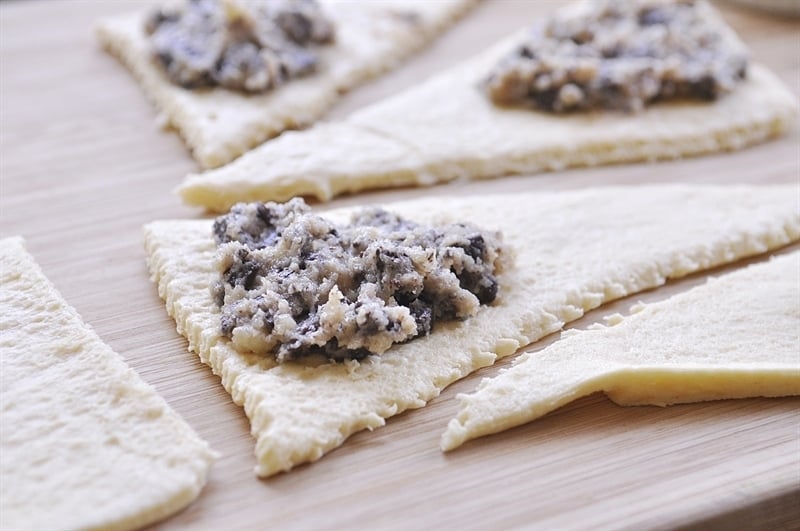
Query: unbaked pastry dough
point(737, 336)
point(446, 129)
point(85, 443)
point(573, 251)
point(218, 125)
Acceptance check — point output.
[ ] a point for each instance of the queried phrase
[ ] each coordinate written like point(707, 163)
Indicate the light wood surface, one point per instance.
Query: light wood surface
point(83, 166)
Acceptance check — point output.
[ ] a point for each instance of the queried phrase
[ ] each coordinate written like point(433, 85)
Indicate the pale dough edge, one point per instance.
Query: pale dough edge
point(202, 190)
point(478, 414)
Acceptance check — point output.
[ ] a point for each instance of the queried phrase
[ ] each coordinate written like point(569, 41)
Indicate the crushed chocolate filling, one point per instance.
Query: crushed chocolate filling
point(621, 55)
point(293, 283)
point(251, 46)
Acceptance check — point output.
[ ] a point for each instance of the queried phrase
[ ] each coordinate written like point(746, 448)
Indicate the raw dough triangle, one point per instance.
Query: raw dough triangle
point(446, 128)
point(219, 125)
point(573, 251)
point(737, 336)
point(85, 443)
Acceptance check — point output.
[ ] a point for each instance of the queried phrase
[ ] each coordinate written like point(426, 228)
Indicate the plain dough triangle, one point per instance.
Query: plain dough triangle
point(737, 336)
point(85, 443)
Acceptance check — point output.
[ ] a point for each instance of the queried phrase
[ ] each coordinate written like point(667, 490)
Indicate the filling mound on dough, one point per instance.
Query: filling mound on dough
point(251, 46)
point(621, 55)
point(293, 283)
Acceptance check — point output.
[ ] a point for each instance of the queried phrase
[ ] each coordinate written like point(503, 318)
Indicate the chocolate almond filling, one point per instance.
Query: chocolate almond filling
point(293, 283)
point(252, 46)
point(621, 55)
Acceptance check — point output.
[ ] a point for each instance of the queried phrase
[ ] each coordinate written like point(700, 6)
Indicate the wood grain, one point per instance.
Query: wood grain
point(83, 166)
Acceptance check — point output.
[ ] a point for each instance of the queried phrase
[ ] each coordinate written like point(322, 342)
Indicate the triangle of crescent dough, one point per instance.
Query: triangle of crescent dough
point(572, 252)
point(218, 125)
point(446, 129)
point(85, 443)
point(735, 337)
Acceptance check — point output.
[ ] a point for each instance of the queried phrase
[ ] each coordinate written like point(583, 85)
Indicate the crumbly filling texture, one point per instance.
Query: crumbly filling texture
point(293, 283)
point(621, 55)
point(246, 45)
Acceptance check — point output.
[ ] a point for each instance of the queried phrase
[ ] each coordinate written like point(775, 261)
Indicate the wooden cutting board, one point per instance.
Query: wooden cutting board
point(83, 166)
